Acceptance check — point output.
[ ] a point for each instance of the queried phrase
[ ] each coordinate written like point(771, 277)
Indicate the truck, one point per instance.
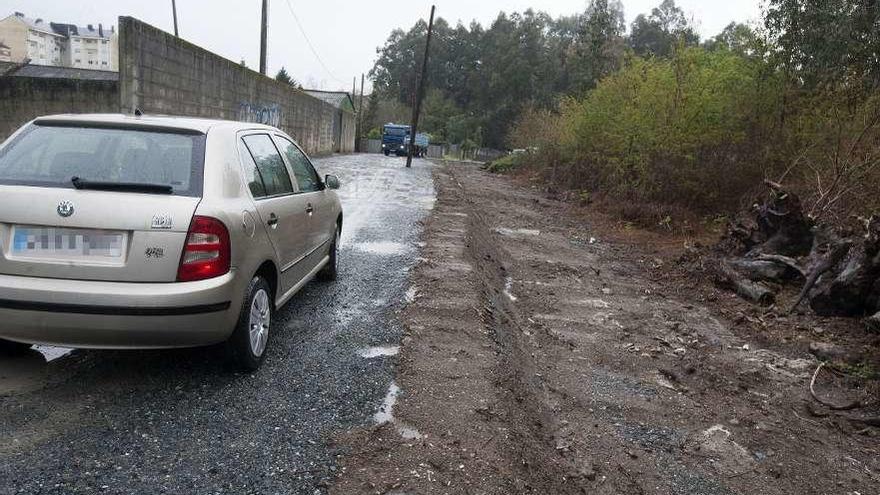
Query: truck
point(396, 139)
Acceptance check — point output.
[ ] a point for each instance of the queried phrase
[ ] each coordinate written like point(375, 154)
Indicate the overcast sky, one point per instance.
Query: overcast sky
point(345, 34)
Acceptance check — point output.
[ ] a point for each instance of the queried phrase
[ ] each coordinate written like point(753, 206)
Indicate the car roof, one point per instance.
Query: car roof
point(192, 124)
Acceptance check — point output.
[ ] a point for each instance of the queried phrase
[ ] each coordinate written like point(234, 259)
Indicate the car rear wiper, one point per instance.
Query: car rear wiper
point(142, 187)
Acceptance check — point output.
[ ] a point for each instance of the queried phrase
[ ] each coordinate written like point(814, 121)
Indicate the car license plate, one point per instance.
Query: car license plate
point(51, 243)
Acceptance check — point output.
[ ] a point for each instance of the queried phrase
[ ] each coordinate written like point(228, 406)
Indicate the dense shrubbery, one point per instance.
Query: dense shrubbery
point(690, 130)
point(701, 129)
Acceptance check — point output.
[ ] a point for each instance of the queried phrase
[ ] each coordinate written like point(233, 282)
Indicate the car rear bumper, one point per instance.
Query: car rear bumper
point(116, 315)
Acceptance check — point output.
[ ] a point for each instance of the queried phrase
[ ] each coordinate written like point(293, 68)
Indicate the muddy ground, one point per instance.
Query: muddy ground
point(547, 351)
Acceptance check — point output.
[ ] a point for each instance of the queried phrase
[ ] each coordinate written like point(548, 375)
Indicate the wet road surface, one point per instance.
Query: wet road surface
point(181, 422)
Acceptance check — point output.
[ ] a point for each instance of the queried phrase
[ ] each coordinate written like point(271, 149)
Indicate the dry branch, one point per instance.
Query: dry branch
point(744, 287)
point(830, 405)
point(785, 260)
point(826, 264)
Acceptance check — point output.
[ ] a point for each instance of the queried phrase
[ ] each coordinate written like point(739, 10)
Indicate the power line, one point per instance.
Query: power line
point(311, 47)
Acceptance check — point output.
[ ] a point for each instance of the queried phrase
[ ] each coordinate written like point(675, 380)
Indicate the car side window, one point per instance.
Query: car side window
point(303, 171)
point(271, 167)
point(251, 172)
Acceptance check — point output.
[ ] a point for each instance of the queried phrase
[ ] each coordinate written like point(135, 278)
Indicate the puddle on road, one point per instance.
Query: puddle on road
point(385, 414)
point(514, 232)
point(380, 351)
point(508, 284)
point(411, 294)
point(384, 248)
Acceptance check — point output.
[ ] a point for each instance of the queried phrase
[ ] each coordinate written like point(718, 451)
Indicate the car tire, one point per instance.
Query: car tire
point(387, 152)
point(249, 343)
point(331, 269)
point(12, 348)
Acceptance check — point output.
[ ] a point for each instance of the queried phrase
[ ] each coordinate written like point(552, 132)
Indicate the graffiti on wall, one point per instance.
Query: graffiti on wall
point(260, 114)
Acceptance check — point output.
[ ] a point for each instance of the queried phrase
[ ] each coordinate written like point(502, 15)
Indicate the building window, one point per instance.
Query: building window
point(103, 42)
point(78, 61)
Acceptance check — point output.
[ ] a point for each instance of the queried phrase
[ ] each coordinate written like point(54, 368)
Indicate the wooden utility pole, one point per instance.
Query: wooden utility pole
point(361, 112)
point(419, 94)
point(357, 122)
point(174, 10)
point(263, 31)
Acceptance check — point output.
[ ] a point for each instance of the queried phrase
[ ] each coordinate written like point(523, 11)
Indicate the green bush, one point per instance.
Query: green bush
point(695, 130)
point(690, 130)
point(505, 164)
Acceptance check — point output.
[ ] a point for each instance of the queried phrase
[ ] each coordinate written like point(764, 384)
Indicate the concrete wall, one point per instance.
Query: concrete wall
point(159, 73)
point(371, 145)
point(24, 98)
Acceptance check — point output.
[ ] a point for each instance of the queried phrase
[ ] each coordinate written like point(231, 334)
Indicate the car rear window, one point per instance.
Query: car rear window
point(50, 156)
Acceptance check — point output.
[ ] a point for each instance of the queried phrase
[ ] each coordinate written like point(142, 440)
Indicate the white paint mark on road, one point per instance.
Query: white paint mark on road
point(380, 351)
point(407, 432)
point(52, 353)
point(383, 248)
point(411, 294)
point(385, 414)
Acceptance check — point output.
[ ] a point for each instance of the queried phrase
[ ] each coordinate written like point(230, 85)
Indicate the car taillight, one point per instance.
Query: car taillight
point(206, 253)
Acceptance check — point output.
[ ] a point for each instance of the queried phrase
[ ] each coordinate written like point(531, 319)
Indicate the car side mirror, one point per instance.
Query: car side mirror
point(331, 181)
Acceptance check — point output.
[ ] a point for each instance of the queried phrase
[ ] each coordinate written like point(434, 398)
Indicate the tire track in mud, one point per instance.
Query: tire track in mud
point(528, 414)
point(467, 382)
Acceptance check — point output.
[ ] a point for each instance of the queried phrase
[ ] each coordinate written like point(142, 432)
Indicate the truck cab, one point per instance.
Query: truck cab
point(395, 138)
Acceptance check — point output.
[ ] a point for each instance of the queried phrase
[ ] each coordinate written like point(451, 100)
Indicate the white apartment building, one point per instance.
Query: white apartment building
point(89, 48)
point(66, 45)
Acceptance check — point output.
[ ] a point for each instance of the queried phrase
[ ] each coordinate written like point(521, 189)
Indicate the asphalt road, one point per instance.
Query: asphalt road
point(181, 422)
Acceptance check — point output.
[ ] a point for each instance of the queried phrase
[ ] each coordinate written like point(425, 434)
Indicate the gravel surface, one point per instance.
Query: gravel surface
point(181, 422)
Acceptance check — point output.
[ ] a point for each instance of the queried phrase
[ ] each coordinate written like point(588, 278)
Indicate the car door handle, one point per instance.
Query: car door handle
point(310, 209)
point(273, 220)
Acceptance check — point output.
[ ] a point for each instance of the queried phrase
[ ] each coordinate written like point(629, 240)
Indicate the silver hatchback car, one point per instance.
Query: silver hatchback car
point(156, 232)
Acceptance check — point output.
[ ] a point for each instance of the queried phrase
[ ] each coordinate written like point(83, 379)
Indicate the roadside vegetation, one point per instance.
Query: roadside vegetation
point(701, 127)
point(652, 114)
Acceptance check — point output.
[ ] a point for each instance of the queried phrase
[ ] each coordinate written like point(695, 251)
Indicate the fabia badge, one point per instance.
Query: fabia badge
point(65, 208)
point(162, 221)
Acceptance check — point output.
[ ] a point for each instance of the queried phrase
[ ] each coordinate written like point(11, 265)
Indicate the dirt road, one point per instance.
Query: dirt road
point(538, 357)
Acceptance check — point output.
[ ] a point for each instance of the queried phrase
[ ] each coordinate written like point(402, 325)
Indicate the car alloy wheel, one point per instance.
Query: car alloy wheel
point(260, 319)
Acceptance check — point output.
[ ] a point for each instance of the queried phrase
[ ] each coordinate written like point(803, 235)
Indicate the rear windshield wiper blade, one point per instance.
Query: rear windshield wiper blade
point(142, 187)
